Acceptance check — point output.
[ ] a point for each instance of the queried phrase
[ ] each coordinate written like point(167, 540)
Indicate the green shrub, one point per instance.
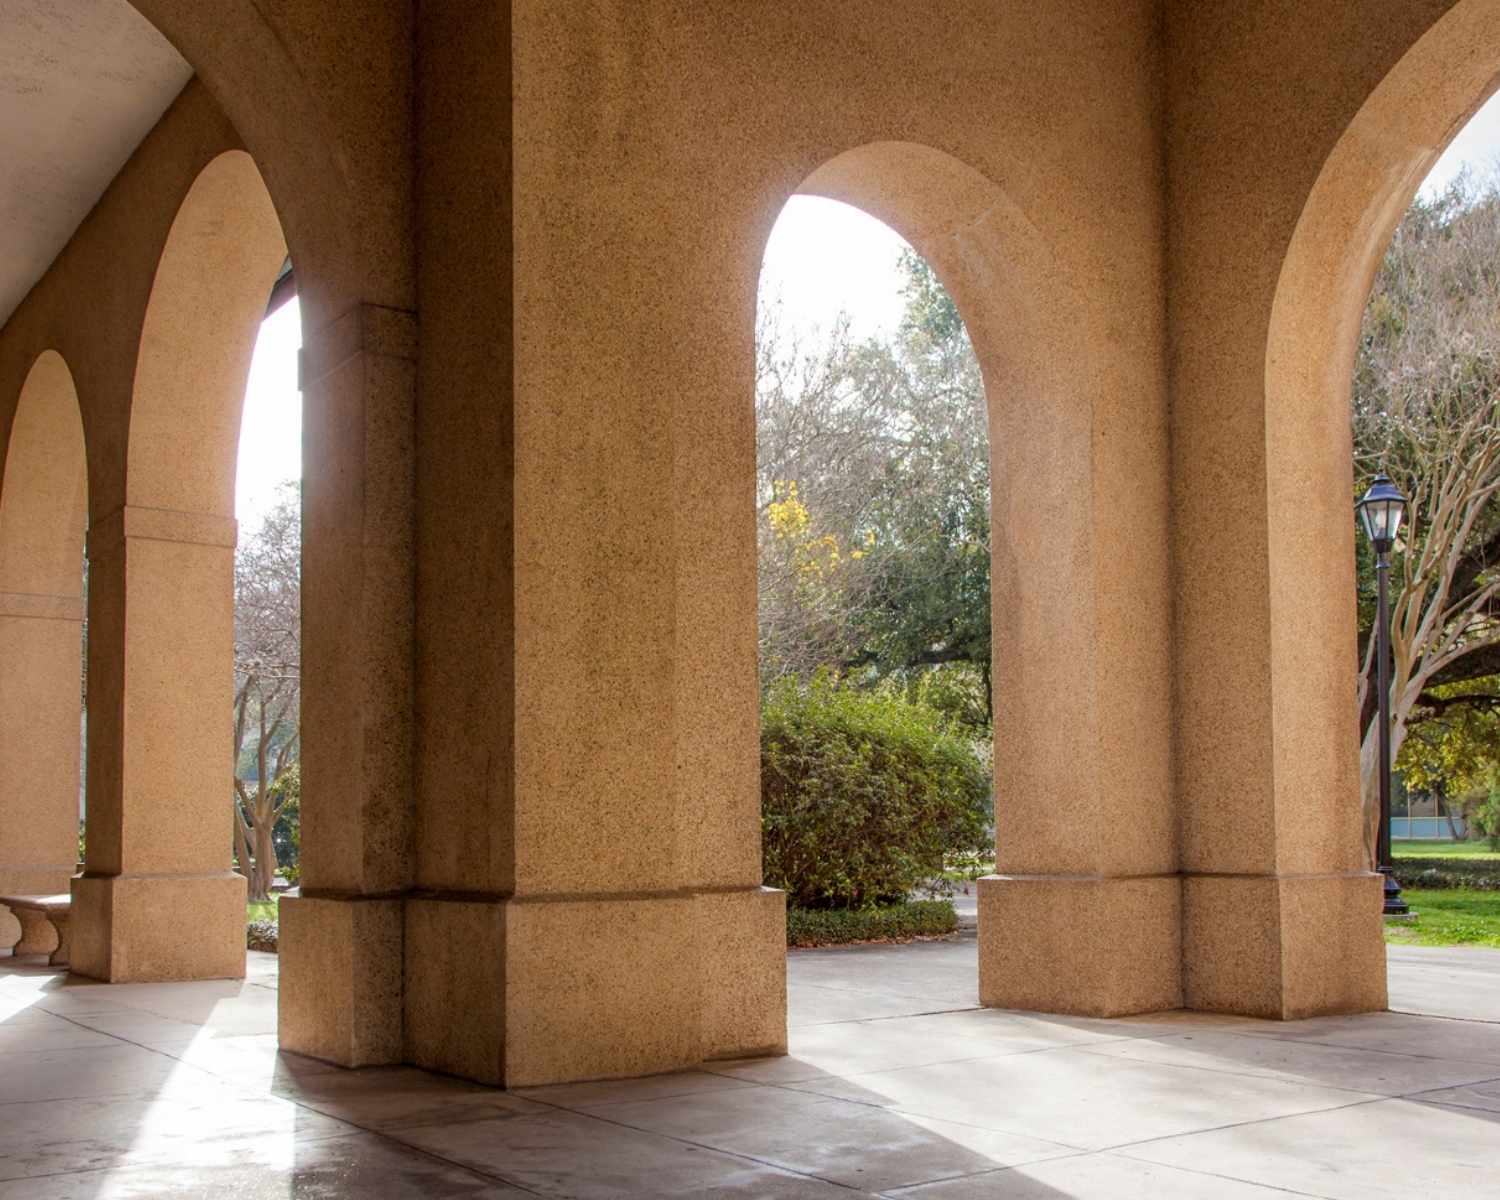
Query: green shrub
point(888, 923)
point(863, 794)
point(1481, 874)
point(287, 835)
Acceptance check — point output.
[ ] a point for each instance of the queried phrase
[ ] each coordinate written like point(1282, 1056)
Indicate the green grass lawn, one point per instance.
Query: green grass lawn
point(1448, 917)
point(1401, 848)
point(261, 910)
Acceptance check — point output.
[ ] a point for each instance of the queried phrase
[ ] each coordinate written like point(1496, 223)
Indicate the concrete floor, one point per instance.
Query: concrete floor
point(896, 1086)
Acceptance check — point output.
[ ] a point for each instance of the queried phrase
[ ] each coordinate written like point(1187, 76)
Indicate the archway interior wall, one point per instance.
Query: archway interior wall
point(43, 503)
point(1017, 305)
point(322, 97)
point(89, 306)
point(208, 296)
point(1272, 259)
point(1361, 193)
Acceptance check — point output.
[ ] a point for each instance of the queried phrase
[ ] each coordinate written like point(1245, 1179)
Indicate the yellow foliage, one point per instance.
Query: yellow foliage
point(813, 557)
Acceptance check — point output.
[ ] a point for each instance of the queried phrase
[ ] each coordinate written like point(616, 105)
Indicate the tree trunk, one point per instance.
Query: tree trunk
point(265, 862)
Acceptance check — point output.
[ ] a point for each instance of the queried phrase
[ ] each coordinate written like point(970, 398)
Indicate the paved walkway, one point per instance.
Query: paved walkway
point(896, 1086)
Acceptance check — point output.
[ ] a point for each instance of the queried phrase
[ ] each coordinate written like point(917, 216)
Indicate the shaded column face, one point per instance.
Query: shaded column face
point(341, 938)
point(158, 899)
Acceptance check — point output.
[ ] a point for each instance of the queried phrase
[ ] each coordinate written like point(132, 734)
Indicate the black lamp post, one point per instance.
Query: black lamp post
point(1380, 510)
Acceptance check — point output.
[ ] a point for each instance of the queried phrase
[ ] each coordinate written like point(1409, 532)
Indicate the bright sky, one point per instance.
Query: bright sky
point(271, 427)
point(1477, 146)
point(822, 258)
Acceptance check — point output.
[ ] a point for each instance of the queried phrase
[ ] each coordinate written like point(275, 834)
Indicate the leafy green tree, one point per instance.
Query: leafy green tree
point(1427, 412)
point(864, 794)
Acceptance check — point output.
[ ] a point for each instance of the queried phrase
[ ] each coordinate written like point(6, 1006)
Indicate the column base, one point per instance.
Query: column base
point(1283, 947)
point(601, 988)
point(519, 992)
point(455, 987)
point(743, 972)
point(1084, 946)
point(340, 993)
point(155, 928)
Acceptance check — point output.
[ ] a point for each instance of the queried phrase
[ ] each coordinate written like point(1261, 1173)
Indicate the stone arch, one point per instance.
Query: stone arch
point(162, 602)
point(321, 134)
point(1019, 307)
point(1364, 186)
point(221, 257)
point(43, 496)
point(1051, 600)
point(43, 510)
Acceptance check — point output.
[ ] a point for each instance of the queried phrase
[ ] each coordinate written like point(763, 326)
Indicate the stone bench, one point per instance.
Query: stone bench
point(44, 923)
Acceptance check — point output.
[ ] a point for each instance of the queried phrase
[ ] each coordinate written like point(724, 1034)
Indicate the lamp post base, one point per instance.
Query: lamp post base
point(1394, 905)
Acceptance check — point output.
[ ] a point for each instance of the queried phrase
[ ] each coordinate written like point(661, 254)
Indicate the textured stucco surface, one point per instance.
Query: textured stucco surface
point(1095, 947)
point(345, 1007)
point(149, 929)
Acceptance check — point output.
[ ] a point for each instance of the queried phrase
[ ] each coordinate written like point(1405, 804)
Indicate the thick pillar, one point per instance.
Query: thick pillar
point(1084, 913)
point(588, 898)
point(157, 899)
point(1281, 913)
point(341, 993)
point(40, 709)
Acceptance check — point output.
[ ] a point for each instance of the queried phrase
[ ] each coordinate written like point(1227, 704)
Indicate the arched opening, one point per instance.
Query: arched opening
point(162, 603)
point(43, 510)
point(873, 507)
point(1050, 608)
point(1363, 190)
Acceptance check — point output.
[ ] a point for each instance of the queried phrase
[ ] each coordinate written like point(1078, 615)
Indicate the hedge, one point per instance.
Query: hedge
point(886, 923)
point(864, 794)
point(1481, 874)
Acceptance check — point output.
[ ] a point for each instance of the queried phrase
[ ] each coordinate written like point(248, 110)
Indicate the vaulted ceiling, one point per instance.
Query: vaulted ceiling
point(81, 83)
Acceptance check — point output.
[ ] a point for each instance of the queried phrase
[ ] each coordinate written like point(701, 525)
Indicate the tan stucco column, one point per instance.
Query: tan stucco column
point(1281, 913)
point(157, 899)
point(340, 941)
point(40, 707)
point(587, 896)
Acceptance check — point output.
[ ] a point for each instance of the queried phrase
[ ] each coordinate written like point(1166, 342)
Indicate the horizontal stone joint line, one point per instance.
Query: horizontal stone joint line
point(225, 874)
point(450, 896)
point(1013, 877)
point(132, 522)
point(1277, 874)
point(344, 894)
point(41, 606)
point(364, 329)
